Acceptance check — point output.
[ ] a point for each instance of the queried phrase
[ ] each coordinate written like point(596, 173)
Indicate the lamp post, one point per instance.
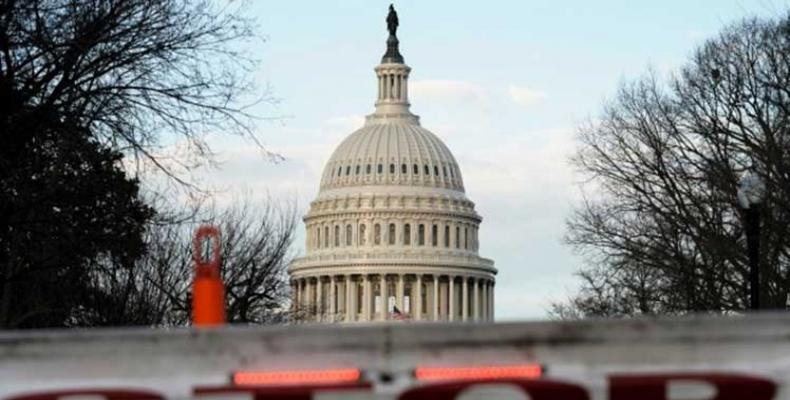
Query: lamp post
point(751, 192)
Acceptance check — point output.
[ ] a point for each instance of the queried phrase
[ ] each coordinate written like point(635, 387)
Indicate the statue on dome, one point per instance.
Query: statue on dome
point(392, 20)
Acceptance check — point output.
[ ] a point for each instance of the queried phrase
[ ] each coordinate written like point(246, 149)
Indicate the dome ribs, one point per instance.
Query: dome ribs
point(391, 145)
point(414, 155)
point(436, 155)
point(395, 156)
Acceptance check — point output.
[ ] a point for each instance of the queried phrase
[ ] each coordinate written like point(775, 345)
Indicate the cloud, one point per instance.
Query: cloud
point(522, 186)
point(525, 96)
point(446, 91)
point(344, 124)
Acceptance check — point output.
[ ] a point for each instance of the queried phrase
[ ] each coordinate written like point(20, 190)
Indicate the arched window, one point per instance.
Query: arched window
point(367, 169)
point(416, 169)
point(348, 235)
point(348, 170)
point(318, 237)
point(363, 238)
point(457, 237)
point(391, 234)
point(444, 171)
point(392, 168)
point(427, 170)
point(356, 170)
point(447, 236)
point(380, 168)
point(436, 170)
point(403, 169)
point(339, 170)
point(377, 234)
point(421, 235)
point(451, 172)
point(407, 235)
point(337, 235)
point(326, 236)
point(434, 235)
point(466, 238)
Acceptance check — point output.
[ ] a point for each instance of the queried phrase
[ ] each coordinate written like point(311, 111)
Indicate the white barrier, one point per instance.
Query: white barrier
point(688, 358)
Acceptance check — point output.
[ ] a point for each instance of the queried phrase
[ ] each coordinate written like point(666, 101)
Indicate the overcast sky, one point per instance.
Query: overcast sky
point(504, 84)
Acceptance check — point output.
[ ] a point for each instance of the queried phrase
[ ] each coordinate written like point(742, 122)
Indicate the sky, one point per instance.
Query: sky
point(504, 84)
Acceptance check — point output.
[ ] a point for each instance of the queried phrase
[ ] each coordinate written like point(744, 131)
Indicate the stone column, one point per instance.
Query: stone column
point(302, 294)
point(417, 298)
point(300, 289)
point(399, 295)
point(350, 309)
point(384, 297)
point(485, 300)
point(451, 298)
point(464, 299)
point(366, 296)
point(396, 91)
point(310, 291)
point(308, 287)
point(332, 299)
point(359, 286)
point(476, 299)
point(295, 295)
point(491, 301)
point(319, 300)
point(435, 297)
point(340, 299)
point(308, 298)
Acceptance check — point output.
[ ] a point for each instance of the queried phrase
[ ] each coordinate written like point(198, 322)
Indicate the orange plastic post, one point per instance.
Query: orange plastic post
point(208, 292)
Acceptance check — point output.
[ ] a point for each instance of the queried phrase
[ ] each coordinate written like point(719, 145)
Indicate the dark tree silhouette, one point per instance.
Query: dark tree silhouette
point(663, 232)
point(65, 202)
point(85, 85)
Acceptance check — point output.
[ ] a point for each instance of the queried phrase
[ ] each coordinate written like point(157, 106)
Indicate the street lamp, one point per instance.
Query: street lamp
point(751, 193)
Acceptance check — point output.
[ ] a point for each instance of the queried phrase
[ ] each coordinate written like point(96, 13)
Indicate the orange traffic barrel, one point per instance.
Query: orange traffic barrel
point(208, 292)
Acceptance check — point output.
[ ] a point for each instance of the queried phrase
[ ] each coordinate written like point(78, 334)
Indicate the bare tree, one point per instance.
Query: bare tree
point(130, 70)
point(256, 250)
point(86, 86)
point(662, 231)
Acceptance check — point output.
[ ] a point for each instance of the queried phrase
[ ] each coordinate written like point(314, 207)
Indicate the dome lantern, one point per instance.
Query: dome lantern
point(393, 80)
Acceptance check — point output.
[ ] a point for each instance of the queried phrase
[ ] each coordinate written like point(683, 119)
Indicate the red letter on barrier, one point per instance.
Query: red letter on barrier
point(536, 389)
point(109, 394)
point(282, 392)
point(654, 387)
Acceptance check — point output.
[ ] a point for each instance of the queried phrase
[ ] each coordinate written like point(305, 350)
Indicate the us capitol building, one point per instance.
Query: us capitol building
point(392, 235)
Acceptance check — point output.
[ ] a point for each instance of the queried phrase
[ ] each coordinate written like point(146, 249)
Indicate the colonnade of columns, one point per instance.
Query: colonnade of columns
point(395, 296)
point(393, 85)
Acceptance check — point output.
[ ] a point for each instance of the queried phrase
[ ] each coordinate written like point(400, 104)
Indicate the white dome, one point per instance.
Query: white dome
point(391, 233)
point(401, 153)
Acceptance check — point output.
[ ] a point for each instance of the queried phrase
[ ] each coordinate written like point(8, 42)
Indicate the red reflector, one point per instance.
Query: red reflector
point(532, 371)
point(327, 376)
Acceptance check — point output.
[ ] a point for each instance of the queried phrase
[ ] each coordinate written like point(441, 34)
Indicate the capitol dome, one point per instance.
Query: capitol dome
point(395, 153)
point(391, 234)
